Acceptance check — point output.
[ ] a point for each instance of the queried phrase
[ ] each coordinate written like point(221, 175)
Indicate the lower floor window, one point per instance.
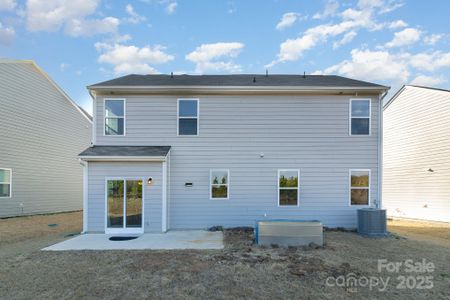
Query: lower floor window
point(5, 183)
point(359, 187)
point(219, 184)
point(288, 187)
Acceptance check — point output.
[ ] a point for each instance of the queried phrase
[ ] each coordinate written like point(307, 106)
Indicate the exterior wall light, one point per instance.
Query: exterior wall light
point(150, 181)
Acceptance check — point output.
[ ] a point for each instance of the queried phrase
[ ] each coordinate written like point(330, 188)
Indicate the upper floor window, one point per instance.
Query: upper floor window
point(288, 187)
point(114, 116)
point(359, 116)
point(359, 187)
point(5, 183)
point(188, 116)
point(219, 184)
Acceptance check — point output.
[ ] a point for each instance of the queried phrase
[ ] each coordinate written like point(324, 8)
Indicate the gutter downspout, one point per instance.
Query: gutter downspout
point(94, 118)
point(85, 165)
point(380, 149)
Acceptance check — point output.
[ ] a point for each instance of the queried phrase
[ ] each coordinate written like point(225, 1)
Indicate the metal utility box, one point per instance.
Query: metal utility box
point(372, 222)
point(288, 233)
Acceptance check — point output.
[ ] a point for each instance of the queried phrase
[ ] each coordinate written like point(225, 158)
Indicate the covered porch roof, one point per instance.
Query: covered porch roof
point(125, 153)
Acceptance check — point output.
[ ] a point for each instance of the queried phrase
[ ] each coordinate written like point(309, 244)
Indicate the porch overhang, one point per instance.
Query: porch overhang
point(125, 153)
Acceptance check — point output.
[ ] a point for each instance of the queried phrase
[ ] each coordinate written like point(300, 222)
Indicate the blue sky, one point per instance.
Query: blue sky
point(81, 42)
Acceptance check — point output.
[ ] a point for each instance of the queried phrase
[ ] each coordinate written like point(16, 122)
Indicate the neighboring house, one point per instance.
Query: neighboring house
point(41, 133)
point(181, 152)
point(416, 180)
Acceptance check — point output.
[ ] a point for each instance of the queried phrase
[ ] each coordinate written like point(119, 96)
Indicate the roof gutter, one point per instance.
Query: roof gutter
point(157, 88)
point(123, 158)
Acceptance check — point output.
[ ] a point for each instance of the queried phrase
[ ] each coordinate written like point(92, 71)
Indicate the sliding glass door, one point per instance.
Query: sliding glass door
point(124, 206)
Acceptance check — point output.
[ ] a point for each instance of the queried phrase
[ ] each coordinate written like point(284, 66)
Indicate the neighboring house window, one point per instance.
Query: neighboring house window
point(288, 187)
point(359, 187)
point(114, 116)
point(5, 183)
point(359, 116)
point(188, 116)
point(219, 183)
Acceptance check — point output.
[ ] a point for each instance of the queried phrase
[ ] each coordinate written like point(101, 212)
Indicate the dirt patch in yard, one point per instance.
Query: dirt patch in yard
point(24, 234)
point(241, 270)
point(425, 231)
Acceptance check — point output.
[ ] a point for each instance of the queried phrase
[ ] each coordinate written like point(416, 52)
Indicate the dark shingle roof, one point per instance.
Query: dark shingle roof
point(126, 151)
point(236, 80)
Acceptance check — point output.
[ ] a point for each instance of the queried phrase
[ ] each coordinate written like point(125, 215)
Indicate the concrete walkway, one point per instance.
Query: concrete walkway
point(189, 239)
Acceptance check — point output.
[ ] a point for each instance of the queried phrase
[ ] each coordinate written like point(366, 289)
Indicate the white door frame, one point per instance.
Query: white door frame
point(124, 230)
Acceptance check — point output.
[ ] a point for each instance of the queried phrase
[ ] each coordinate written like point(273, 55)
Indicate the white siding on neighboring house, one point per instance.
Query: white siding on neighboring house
point(416, 179)
point(41, 134)
point(308, 133)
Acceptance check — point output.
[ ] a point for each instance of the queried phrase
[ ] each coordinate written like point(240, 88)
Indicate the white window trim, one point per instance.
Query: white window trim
point(198, 116)
point(124, 116)
point(350, 117)
point(10, 182)
point(124, 229)
point(211, 184)
point(350, 188)
point(289, 188)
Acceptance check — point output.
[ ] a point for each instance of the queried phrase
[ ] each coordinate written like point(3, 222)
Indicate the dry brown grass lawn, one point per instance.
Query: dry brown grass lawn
point(241, 270)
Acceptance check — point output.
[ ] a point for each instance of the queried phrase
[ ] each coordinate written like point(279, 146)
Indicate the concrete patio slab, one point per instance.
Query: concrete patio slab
point(172, 240)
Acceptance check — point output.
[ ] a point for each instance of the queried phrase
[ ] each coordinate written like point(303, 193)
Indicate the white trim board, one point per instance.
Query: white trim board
point(350, 187)
point(227, 184)
point(134, 230)
point(298, 187)
point(124, 117)
point(10, 182)
point(197, 118)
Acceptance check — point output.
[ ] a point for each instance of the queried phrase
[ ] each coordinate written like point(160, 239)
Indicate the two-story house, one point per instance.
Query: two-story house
point(184, 152)
point(42, 131)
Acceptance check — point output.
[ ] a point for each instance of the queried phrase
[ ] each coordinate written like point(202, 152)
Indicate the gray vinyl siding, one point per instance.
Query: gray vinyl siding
point(309, 133)
point(41, 134)
point(417, 138)
point(97, 174)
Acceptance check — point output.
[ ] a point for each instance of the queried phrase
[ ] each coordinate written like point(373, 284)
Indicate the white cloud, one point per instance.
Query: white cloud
point(428, 80)
point(63, 66)
point(7, 35)
point(381, 65)
point(287, 20)
point(370, 3)
point(405, 37)
point(134, 17)
point(132, 59)
point(390, 6)
point(76, 27)
point(433, 39)
point(171, 7)
point(52, 15)
point(351, 20)
point(397, 24)
point(330, 10)
point(210, 57)
point(371, 65)
point(348, 37)
point(7, 5)
point(429, 61)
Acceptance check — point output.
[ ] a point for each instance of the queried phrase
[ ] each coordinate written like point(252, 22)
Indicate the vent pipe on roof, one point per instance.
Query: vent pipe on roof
point(267, 73)
point(254, 79)
point(304, 74)
point(171, 74)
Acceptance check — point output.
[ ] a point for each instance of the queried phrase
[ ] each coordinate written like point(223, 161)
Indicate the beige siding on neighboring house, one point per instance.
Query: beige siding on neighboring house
point(416, 139)
point(41, 134)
